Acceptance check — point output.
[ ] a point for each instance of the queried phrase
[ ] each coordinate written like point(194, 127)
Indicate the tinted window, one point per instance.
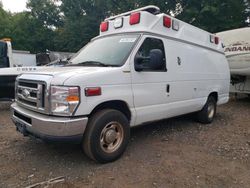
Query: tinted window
point(4, 60)
point(148, 45)
point(2, 49)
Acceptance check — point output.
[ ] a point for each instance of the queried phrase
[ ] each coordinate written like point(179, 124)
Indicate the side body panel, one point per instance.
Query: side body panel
point(115, 84)
point(192, 74)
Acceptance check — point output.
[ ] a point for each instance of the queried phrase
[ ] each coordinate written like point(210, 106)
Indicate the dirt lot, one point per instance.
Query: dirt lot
point(173, 153)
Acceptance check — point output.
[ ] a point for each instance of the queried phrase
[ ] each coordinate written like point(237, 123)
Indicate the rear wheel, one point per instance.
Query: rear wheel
point(208, 112)
point(106, 136)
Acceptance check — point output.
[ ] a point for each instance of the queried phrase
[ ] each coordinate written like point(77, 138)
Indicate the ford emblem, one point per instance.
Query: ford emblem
point(26, 93)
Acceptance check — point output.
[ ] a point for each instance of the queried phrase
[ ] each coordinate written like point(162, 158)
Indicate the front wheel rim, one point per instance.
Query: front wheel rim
point(111, 137)
point(211, 111)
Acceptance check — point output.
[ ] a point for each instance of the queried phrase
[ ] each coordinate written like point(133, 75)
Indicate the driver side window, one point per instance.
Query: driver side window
point(151, 56)
point(4, 60)
point(2, 49)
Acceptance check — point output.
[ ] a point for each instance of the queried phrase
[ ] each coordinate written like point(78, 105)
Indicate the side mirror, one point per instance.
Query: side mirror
point(139, 62)
point(153, 62)
point(156, 59)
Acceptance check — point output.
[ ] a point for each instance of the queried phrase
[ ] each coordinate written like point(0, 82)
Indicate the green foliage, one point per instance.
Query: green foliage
point(215, 15)
point(4, 23)
point(67, 25)
point(46, 11)
point(28, 33)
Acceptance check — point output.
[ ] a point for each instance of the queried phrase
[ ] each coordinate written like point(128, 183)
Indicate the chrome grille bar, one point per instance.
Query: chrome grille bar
point(31, 94)
point(31, 99)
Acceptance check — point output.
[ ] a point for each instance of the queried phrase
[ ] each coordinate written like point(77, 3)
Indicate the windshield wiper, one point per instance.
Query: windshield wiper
point(92, 63)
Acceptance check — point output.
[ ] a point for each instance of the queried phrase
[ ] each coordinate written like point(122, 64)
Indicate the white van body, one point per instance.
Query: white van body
point(237, 50)
point(196, 68)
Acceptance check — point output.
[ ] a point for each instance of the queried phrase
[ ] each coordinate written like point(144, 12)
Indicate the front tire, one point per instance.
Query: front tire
point(107, 136)
point(208, 112)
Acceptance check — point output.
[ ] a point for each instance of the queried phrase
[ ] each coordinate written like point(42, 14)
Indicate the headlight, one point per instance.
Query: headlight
point(64, 100)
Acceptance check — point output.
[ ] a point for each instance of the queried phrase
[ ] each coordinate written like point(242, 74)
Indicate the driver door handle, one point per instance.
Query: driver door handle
point(168, 88)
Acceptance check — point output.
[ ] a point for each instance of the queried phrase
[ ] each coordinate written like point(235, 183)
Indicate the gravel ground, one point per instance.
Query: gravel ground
point(173, 153)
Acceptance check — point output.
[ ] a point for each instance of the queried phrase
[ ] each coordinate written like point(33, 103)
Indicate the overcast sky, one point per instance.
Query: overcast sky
point(14, 5)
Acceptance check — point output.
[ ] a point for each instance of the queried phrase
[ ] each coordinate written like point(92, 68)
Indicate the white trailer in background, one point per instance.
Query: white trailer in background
point(237, 50)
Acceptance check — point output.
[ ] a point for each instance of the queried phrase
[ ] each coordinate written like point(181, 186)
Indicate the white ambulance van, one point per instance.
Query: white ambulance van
point(144, 66)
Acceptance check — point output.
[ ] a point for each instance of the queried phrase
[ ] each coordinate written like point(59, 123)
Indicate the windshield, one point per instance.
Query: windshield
point(107, 51)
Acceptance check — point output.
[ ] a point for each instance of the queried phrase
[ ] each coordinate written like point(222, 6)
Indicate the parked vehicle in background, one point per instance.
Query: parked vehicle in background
point(237, 50)
point(14, 58)
point(15, 62)
point(12, 63)
point(144, 66)
point(52, 58)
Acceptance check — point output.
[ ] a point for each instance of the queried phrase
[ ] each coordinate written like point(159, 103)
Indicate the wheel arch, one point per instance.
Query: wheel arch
point(119, 105)
point(214, 94)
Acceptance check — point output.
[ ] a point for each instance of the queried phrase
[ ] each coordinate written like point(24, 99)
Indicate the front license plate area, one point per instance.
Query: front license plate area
point(22, 129)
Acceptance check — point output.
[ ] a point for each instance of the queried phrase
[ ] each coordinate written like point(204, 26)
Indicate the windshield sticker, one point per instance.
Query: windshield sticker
point(128, 40)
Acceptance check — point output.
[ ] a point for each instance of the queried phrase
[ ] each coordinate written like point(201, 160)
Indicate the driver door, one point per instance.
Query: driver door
point(150, 87)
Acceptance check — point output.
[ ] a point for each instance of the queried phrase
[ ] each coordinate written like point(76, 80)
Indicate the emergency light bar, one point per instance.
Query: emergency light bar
point(167, 21)
point(104, 26)
point(134, 18)
point(176, 25)
point(214, 39)
point(118, 23)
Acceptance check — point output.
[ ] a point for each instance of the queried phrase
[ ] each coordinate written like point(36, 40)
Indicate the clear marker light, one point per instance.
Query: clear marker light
point(118, 23)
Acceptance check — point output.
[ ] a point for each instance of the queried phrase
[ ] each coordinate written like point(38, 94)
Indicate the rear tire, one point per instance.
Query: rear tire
point(106, 136)
point(208, 112)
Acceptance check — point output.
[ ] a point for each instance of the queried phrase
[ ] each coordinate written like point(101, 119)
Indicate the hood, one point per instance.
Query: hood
point(15, 71)
point(58, 75)
point(54, 71)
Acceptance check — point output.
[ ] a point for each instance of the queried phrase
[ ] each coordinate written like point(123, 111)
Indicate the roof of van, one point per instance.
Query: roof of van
point(152, 21)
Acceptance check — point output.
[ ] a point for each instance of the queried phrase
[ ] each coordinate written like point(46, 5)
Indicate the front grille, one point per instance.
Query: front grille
point(31, 94)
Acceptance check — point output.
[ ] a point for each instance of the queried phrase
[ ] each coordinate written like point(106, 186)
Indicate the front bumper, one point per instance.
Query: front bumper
point(48, 127)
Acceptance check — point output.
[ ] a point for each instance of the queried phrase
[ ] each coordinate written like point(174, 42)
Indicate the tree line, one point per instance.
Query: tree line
point(67, 25)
